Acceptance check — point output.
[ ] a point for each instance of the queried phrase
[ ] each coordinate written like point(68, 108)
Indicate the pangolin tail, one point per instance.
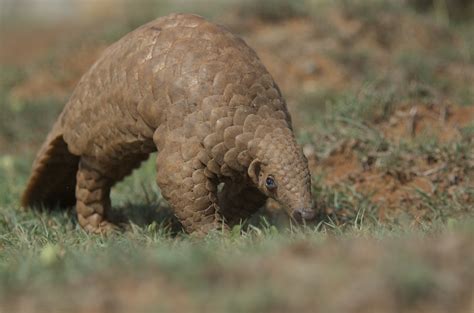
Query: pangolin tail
point(53, 179)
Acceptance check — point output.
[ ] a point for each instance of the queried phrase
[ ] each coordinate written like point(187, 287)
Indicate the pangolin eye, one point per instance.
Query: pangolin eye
point(270, 183)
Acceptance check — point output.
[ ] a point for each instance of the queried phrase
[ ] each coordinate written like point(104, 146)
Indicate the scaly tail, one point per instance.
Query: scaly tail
point(53, 179)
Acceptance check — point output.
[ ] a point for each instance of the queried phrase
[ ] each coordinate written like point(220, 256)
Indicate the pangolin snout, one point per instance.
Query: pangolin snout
point(305, 214)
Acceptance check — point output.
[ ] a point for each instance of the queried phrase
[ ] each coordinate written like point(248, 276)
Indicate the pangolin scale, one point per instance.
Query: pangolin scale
point(198, 95)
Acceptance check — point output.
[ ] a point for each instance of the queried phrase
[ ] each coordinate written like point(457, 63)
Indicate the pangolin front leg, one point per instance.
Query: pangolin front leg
point(239, 202)
point(190, 188)
point(93, 198)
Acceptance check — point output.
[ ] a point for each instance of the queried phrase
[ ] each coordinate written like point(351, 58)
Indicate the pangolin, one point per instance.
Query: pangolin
point(199, 96)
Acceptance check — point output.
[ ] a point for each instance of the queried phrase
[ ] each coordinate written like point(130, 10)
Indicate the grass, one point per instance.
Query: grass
point(390, 150)
point(43, 255)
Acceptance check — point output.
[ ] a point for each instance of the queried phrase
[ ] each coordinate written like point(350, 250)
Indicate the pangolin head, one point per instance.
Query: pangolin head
point(280, 171)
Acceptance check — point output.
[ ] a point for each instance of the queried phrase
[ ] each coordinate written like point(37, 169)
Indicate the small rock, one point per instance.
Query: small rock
point(310, 67)
point(309, 150)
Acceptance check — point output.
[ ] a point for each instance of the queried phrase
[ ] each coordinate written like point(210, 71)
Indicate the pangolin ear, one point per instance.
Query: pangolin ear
point(254, 171)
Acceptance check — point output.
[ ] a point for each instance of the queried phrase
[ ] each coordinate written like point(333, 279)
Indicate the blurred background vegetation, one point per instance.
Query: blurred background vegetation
point(382, 98)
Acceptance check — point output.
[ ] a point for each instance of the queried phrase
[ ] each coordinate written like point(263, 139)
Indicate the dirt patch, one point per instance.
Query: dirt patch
point(442, 122)
point(403, 180)
point(341, 165)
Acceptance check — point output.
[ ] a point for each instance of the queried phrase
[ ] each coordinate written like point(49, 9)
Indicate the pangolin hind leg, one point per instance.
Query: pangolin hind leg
point(239, 202)
point(94, 182)
point(93, 198)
